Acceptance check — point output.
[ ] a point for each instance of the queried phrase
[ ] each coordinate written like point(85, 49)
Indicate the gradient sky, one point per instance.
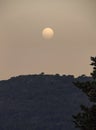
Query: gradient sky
point(24, 51)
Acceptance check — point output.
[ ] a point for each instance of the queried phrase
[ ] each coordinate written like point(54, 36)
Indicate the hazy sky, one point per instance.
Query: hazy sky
point(24, 51)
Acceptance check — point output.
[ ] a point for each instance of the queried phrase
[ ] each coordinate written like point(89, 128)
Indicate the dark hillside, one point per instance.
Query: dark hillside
point(39, 102)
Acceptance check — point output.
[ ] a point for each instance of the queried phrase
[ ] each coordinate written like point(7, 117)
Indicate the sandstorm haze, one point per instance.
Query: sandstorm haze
point(23, 50)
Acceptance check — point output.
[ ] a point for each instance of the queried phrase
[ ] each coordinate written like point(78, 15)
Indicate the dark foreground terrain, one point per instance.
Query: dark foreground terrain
point(40, 102)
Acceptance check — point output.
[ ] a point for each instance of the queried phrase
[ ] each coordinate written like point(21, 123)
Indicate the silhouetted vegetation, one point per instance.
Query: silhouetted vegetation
point(39, 102)
point(86, 119)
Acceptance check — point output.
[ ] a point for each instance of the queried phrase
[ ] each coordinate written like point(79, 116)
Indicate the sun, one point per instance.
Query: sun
point(47, 33)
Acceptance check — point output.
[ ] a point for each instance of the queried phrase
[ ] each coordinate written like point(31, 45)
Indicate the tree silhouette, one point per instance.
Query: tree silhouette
point(86, 119)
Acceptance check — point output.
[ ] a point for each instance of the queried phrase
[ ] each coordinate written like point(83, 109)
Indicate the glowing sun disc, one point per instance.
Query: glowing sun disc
point(47, 33)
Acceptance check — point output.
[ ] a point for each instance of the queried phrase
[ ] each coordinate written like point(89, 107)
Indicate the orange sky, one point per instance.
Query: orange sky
point(24, 51)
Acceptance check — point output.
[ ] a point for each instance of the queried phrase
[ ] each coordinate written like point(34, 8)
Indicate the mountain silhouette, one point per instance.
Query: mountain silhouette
point(40, 102)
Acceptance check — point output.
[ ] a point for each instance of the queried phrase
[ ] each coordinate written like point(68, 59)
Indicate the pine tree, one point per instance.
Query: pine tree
point(86, 119)
point(93, 59)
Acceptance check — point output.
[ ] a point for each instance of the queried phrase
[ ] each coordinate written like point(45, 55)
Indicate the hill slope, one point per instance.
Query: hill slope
point(39, 102)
